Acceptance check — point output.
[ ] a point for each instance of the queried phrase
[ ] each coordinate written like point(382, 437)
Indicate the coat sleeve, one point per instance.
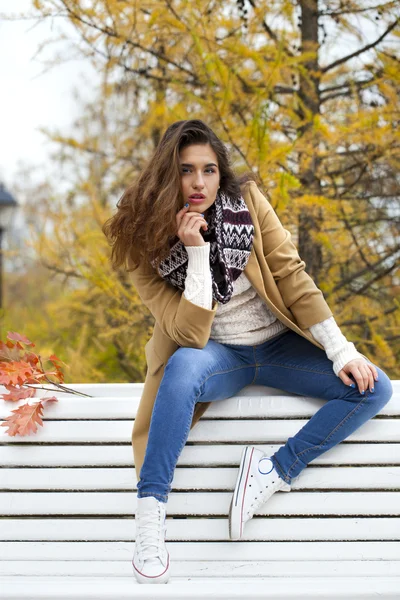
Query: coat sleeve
point(298, 290)
point(184, 322)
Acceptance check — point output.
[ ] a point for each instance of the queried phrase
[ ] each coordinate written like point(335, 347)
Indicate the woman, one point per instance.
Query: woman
point(233, 306)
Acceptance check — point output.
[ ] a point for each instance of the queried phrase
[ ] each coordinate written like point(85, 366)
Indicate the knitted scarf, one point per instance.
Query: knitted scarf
point(230, 233)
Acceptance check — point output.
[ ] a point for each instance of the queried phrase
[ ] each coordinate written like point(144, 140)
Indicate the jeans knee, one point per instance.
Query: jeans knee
point(186, 363)
point(183, 371)
point(383, 388)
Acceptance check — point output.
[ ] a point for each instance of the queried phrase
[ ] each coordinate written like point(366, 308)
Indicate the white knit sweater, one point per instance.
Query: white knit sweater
point(247, 320)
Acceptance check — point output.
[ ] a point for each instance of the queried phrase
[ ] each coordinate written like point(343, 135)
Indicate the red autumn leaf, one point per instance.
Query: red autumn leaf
point(31, 358)
point(15, 373)
point(17, 393)
point(60, 376)
point(19, 367)
point(9, 351)
point(57, 362)
point(17, 337)
point(54, 359)
point(26, 418)
point(37, 376)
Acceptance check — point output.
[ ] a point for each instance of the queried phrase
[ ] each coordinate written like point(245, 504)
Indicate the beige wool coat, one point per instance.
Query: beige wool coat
point(276, 271)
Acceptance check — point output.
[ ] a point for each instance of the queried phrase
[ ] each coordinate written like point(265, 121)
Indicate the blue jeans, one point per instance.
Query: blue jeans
point(218, 371)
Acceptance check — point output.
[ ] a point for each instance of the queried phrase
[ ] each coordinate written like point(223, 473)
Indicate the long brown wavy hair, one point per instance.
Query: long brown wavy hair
point(144, 225)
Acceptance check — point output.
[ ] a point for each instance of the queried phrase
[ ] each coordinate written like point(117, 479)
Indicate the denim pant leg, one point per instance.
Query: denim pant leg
point(298, 366)
point(191, 375)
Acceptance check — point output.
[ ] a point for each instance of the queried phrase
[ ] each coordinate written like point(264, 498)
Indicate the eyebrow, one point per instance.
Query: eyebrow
point(207, 165)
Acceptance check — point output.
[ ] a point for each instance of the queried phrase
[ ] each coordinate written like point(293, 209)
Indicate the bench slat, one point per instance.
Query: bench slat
point(259, 528)
point(284, 588)
point(245, 550)
point(299, 503)
point(196, 454)
point(254, 431)
point(128, 389)
point(207, 568)
point(184, 478)
point(268, 403)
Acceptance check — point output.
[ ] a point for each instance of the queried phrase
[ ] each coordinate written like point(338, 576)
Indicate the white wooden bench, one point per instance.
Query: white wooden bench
point(68, 498)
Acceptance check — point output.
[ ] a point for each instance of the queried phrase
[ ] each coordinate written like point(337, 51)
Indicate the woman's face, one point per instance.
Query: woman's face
point(199, 175)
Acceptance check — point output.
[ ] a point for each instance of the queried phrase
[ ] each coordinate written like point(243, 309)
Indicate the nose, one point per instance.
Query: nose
point(198, 181)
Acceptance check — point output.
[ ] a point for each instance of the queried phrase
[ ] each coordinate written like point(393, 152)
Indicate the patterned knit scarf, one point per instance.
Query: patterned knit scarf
point(230, 233)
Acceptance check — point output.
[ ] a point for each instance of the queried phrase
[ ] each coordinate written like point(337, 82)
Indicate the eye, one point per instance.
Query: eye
point(210, 169)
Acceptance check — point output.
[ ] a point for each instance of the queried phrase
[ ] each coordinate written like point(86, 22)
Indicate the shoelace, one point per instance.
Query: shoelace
point(261, 498)
point(149, 535)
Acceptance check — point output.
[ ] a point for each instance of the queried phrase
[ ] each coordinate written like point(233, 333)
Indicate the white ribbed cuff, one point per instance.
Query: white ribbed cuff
point(338, 349)
point(198, 283)
point(344, 356)
point(199, 258)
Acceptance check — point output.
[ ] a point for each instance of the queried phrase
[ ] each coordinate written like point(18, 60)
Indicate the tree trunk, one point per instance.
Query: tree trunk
point(309, 96)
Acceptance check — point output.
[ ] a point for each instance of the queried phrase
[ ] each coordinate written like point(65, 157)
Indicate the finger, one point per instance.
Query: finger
point(183, 216)
point(184, 209)
point(359, 378)
point(191, 226)
point(196, 223)
point(365, 375)
point(193, 221)
point(368, 376)
point(371, 379)
point(189, 214)
point(365, 372)
point(344, 377)
point(363, 385)
point(181, 213)
point(375, 371)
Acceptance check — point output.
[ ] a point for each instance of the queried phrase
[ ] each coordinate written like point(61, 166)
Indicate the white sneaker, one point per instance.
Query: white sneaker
point(150, 559)
point(256, 482)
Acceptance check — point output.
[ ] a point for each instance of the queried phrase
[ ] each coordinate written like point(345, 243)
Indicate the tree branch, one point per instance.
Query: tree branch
point(364, 321)
point(368, 283)
point(271, 33)
point(365, 270)
point(344, 59)
point(338, 13)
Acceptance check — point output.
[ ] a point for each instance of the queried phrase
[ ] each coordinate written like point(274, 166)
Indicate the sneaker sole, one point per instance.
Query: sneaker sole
point(162, 578)
point(236, 506)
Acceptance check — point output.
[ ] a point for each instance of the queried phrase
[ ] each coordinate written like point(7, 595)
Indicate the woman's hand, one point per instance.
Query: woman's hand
point(362, 371)
point(189, 224)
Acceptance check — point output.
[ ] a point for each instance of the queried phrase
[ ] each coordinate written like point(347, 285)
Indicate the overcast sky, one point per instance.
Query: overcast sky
point(30, 100)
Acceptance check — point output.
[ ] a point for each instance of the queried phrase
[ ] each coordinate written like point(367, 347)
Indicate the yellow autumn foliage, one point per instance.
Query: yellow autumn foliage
point(316, 127)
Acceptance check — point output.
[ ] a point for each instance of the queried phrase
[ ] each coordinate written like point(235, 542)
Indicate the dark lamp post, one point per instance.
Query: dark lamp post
point(8, 206)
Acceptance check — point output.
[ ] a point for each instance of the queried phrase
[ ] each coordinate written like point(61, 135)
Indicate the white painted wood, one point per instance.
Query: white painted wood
point(113, 408)
point(268, 403)
point(268, 588)
point(98, 390)
point(245, 431)
point(116, 478)
point(69, 532)
point(194, 455)
point(101, 390)
point(212, 551)
point(259, 528)
point(216, 568)
point(204, 503)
